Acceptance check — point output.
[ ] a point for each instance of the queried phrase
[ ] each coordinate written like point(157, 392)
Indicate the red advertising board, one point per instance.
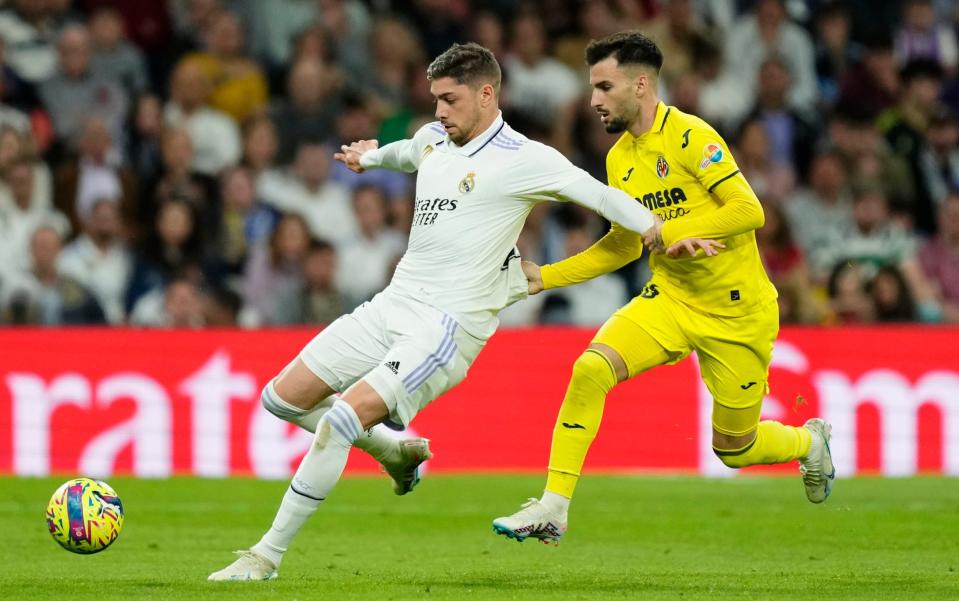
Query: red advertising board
point(156, 403)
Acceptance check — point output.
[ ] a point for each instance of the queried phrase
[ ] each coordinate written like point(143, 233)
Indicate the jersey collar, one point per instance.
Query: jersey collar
point(659, 120)
point(477, 143)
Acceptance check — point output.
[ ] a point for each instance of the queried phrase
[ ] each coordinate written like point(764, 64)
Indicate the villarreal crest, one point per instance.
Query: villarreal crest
point(662, 167)
point(468, 183)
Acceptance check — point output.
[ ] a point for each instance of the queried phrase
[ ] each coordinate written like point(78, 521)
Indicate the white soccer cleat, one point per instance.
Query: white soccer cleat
point(816, 468)
point(406, 472)
point(534, 520)
point(248, 566)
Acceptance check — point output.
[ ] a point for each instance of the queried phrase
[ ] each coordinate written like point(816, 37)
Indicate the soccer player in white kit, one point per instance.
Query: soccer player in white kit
point(477, 181)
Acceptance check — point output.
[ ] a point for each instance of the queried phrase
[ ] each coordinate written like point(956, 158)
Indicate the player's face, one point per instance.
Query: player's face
point(615, 95)
point(457, 108)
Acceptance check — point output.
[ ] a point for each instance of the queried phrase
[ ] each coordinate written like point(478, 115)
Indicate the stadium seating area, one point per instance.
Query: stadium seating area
point(169, 163)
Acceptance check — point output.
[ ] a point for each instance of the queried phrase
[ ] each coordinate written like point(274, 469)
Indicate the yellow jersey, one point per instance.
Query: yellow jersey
point(682, 170)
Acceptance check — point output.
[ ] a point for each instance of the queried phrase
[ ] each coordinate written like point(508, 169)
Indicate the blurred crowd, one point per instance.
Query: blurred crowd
point(169, 163)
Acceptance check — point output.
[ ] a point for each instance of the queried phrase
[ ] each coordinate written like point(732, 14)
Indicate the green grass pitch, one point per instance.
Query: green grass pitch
point(645, 538)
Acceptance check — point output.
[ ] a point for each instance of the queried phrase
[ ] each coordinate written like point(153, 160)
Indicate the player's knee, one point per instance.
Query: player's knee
point(272, 402)
point(595, 367)
point(731, 449)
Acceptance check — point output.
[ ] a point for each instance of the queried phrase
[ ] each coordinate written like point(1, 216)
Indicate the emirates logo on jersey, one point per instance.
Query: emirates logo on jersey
point(662, 167)
point(468, 183)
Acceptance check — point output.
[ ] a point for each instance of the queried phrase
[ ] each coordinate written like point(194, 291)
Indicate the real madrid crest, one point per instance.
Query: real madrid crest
point(468, 183)
point(662, 167)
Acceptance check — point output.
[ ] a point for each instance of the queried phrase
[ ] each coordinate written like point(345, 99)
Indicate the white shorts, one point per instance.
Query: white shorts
point(408, 351)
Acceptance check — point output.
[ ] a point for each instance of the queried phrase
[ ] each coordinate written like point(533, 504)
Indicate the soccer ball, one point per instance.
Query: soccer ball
point(85, 516)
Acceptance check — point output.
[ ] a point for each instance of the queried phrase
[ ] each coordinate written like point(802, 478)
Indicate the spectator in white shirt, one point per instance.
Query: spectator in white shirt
point(20, 216)
point(307, 190)
point(99, 261)
point(29, 31)
point(216, 138)
point(365, 262)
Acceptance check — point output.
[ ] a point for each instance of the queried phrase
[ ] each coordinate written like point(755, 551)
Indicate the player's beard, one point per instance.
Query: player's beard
point(617, 125)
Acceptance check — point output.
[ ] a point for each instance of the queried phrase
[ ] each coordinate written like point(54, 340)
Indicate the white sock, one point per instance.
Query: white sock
point(376, 441)
point(314, 479)
point(557, 504)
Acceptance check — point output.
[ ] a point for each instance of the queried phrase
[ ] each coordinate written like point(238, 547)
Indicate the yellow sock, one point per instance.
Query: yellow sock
point(775, 443)
point(578, 420)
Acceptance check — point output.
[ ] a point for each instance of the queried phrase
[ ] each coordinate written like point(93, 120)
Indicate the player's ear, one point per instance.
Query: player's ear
point(487, 95)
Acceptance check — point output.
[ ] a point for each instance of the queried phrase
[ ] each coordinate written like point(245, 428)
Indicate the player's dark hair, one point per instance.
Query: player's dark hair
point(628, 48)
point(469, 64)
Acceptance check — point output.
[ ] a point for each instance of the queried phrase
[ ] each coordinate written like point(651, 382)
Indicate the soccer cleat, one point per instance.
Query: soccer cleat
point(406, 472)
point(816, 467)
point(249, 566)
point(534, 520)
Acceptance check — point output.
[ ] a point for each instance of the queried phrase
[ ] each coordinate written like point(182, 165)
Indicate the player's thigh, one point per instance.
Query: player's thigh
point(336, 357)
point(734, 356)
point(433, 356)
point(642, 335)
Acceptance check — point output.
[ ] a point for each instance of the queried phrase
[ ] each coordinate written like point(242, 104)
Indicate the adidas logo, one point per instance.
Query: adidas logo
point(393, 365)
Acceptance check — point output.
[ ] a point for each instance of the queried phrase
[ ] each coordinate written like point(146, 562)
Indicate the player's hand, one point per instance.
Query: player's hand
point(534, 277)
point(653, 237)
point(350, 155)
point(693, 245)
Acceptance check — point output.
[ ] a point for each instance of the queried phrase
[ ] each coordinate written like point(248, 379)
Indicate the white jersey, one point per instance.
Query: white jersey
point(471, 203)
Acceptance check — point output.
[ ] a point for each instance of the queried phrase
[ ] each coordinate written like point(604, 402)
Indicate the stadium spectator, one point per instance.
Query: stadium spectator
point(192, 21)
point(938, 168)
point(939, 259)
point(99, 260)
point(539, 87)
point(836, 53)
point(95, 173)
point(595, 20)
point(40, 294)
point(922, 36)
point(21, 215)
point(396, 50)
point(873, 239)
point(307, 190)
point(179, 182)
point(792, 132)
point(904, 124)
point(891, 298)
point(867, 155)
point(145, 143)
point(487, 30)
point(30, 31)
point(75, 91)
point(364, 263)
point(274, 271)
point(221, 308)
point(40, 184)
point(215, 137)
point(178, 305)
point(348, 27)
point(768, 31)
point(260, 145)
point(677, 30)
point(318, 302)
point(787, 269)
point(848, 301)
point(311, 110)
point(239, 86)
point(771, 180)
point(818, 212)
point(114, 57)
point(172, 247)
point(872, 85)
point(245, 221)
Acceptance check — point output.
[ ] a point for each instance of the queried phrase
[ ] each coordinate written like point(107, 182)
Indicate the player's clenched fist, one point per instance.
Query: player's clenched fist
point(350, 155)
point(534, 277)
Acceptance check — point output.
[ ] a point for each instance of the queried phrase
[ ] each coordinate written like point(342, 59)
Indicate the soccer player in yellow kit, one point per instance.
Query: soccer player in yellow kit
point(723, 306)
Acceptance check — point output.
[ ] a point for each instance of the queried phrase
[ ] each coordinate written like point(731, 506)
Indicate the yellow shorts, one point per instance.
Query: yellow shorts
point(733, 352)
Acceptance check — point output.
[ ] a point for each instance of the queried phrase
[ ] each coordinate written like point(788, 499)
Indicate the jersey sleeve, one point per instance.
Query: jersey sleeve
point(405, 155)
point(545, 174)
point(707, 157)
point(614, 250)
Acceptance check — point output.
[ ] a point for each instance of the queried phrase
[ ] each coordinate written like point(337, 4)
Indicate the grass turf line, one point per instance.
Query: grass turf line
point(649, 538)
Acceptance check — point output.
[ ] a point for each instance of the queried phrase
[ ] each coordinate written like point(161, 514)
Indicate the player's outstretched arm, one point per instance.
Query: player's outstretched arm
point(352, 155)
point(402, 155)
